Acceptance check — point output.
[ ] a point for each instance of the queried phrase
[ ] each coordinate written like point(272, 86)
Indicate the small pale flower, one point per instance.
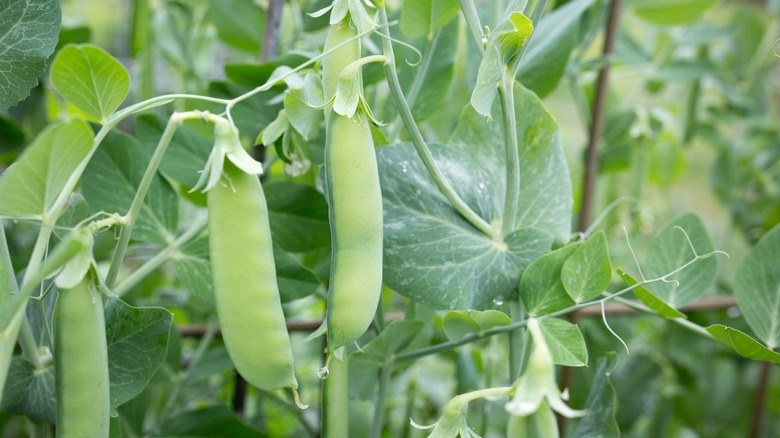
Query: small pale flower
point(226, 144)
point(452, 422)
point(538, 382)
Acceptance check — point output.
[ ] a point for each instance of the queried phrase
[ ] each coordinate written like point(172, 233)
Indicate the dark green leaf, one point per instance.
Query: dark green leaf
point(541, 288)
point(393, 339)
point(457, 324)
point(91, 79)
point(295, 280)
point(669, 249)
point(588, 271)
point(650, 300)
point(549, 48)
point(565, 342)
point(194, 270)
point(422, 18)
point(757, 288)
point(137, 345)
point(601, 405)
point(671, 12)
point(239, 23)
point(298, 216)
point(186, 155)
point(31, 185)
point(215, 421)
point(28, 35)
point(111, 180)
point(29, 392)
point(743, 344)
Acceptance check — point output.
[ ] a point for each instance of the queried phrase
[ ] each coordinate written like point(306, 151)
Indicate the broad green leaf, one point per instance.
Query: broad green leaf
point(459, 323)
point(253, 114)
point(274, 130)
point(298, 216)
point(541, 288)
point(30, 392)
point(432, 254)
point(295, 280)
point(393, 339)
point(548, 50)
point(669, 249)
point(506, 41)
point(29, 188)
point(28, 35)
point(214, 362)
point(239, 23)
point(588, 271)
point(186, 155)
point(213, 422)
point(91, 79)
point(111, 180)
point(194, 270)
point(137, 345)
point(305, 119)
point(602, 404)
point(422, 18)
point(757, 288)
point(671, 12)
point(743, 344)
point(565, 342)
point(650, 300)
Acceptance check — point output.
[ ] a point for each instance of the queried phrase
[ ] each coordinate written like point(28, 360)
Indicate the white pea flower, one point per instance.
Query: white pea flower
point(452, 422)
point(226, 144)
point(538, 382)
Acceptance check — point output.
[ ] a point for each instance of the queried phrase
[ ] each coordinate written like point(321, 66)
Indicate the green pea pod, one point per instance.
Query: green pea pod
point(335, 62)
point(81, 363)
point(247, 295)
point(355, 208)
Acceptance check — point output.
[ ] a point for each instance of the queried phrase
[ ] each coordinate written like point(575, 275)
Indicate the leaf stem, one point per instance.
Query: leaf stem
point(419, 143)
point(471, 16)
point(507, 96)
point(379, 407)
point(161, 257)
point(135, 208)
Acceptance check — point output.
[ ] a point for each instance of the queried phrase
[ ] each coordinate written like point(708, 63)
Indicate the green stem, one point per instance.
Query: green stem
point(419, 143)
point(516, 347)
point(683, 322)
point(472, 337)
point(138, 201)
point(471, 16)
point(335, 399)
point(507, 96)
point(161, 257)
point(379, 407)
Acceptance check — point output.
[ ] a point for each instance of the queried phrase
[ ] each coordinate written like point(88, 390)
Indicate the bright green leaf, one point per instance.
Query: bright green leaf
point(111, 180)
point(28, 35)
point(91, 79)
point(669, 249)
point(194, 270)
point(457, 324)
point(757, 288)
point(588, 271)
point(671, 12)
point(274, 130)
point(650, 300)
point(305, 119)
point(422, 18)
point(30, 186)
point(743, 344)
point(137, 345)
point(239, 23)
point(541, 288)
point(565, 342)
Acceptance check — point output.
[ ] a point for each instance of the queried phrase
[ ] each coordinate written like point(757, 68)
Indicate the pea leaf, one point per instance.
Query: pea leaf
point(111, 180)
point(565, 342)
point(298, 215)
point(457, 324)
point(757, 288)
point(30, 392)
point(393, 339)
point(548, 50)
point(601, 404)
point(541, 288)
point(240, 24)
point(743, 344)
point(422, 18)
point(305, 119)
point(31, 185)
point(137, 345)
point(588, 271)
point(28, 36)
point(186, 155)
point(422, 230)
point(669, 249)
point(215, 421)
point(194, 270)
point(650, 300)
point(671, 12)
point(91, 79)
point(295, 280)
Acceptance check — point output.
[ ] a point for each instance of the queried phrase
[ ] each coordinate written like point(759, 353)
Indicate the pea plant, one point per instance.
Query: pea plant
point(392, 185)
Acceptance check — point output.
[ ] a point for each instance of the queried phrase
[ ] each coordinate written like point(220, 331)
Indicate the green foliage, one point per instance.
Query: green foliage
point(565, 342)
point(587, 273)
point(423, 18)
point(28, 35)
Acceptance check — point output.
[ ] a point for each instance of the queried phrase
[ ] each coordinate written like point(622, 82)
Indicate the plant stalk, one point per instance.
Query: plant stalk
point(471, 16)
point(379, 407)
point(506, 93)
